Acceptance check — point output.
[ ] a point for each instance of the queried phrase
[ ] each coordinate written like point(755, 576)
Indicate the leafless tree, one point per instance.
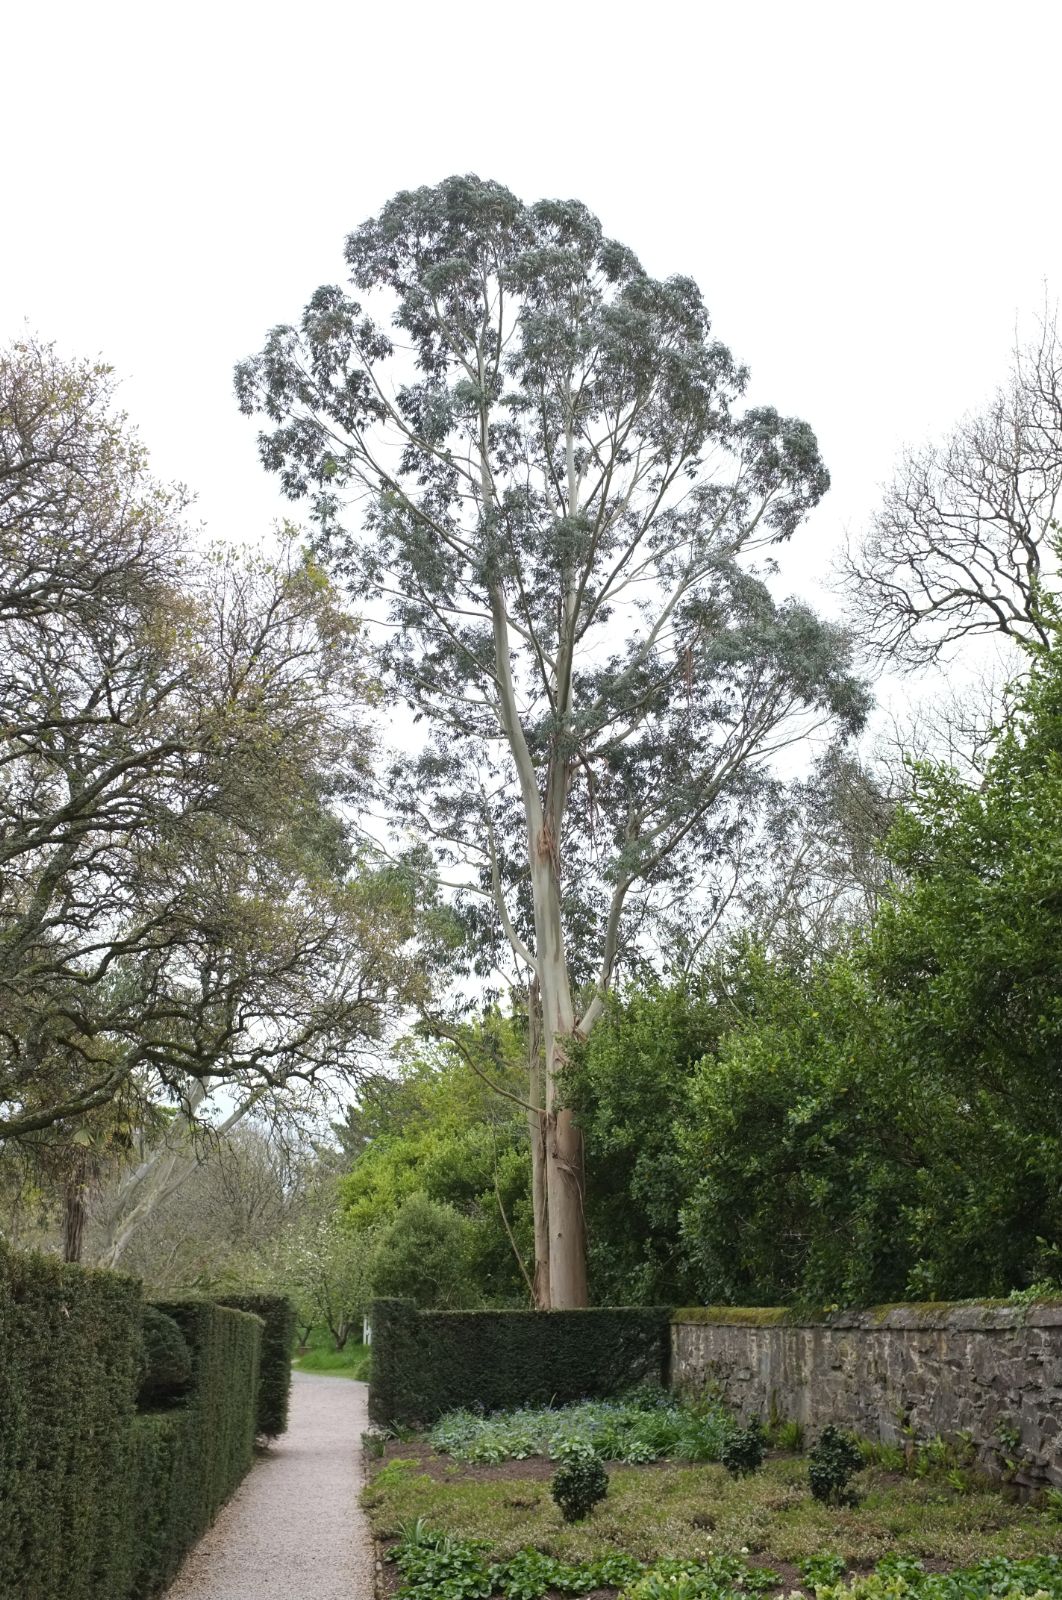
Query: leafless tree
point(966, 541)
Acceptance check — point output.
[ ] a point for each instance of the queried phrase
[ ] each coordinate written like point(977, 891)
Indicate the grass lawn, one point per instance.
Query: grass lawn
point(321, 1355)
point(696, 1511)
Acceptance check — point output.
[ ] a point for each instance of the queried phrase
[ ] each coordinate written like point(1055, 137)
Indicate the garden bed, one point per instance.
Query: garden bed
point(716, 1535)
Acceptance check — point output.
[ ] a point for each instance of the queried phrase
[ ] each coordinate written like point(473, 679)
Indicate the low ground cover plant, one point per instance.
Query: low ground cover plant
point(435, 1565)
point(646, 1425)
point(319, 1354)
point(691, 1512)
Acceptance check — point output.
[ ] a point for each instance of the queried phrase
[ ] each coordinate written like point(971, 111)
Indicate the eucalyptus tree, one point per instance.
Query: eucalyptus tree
point(528, 460)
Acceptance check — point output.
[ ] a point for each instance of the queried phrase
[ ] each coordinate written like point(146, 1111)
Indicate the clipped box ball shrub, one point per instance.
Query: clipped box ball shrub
point(278, 1337)
point(579, 1483)
point(167, 1361)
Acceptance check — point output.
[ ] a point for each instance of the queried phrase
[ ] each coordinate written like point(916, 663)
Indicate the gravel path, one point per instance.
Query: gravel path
point(294, 1530)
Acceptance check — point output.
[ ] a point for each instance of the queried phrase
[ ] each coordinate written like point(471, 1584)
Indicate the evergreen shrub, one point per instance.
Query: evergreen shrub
point(833, 1461)
point(187, 1461)
point(744, 1449)
point(97, 1500)
point(70, 1364)
point(167, 1363)
point(425, 1363)
point(278, 1339)
point(578, 1484)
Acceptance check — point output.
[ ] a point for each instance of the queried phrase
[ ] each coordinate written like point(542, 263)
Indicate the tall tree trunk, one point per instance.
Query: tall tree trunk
point(567, 1228)
point(564, 1144)
point(564, 1157)
point(536, 1127)
point(75, 1211)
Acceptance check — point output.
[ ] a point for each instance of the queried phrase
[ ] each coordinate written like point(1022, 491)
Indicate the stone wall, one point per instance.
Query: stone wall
point(891, 1374)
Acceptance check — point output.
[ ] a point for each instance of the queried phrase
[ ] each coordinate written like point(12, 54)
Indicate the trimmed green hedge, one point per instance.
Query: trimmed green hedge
point(188, 1460)
point(274, 1383)
point(97, 1501)
point(427, 1362)
point(70, 1348)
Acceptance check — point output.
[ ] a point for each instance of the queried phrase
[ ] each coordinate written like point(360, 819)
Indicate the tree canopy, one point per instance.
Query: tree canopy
point(529, 461)
point(180, 903)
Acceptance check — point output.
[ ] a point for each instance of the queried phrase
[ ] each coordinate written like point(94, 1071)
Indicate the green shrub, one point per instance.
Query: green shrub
point(719, 1578)
point(278, 1337)
point(902, 1578)
point(435, 1564)
point(97, 1502)
point(70, 1350)
point(422, 1255)
point(167, 1364)
point(427, 1363)
point(579, 1483)
point(743, 1450)
point(819, 1572)
point(187, 1462)
point(832, 1462)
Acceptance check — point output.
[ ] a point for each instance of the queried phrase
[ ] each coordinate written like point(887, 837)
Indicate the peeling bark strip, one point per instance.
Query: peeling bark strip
point(554, 508)
point(537, 1132)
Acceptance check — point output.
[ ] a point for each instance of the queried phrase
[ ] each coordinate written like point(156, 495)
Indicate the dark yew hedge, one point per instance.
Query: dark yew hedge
point(97, 1500)
point(70, 1364)
point(428, 1362)
point(278, 1338)
point(189, 1459)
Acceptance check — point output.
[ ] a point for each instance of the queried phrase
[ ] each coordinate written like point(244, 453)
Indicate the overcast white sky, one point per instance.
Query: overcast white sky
point(869, 196)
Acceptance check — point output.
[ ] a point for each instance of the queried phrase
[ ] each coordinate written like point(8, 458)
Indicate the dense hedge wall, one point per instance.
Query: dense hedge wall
point(189, 1459)
point(427, 1362)
point(278, 1337)
point(69, 1370)
point(97, 1501)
